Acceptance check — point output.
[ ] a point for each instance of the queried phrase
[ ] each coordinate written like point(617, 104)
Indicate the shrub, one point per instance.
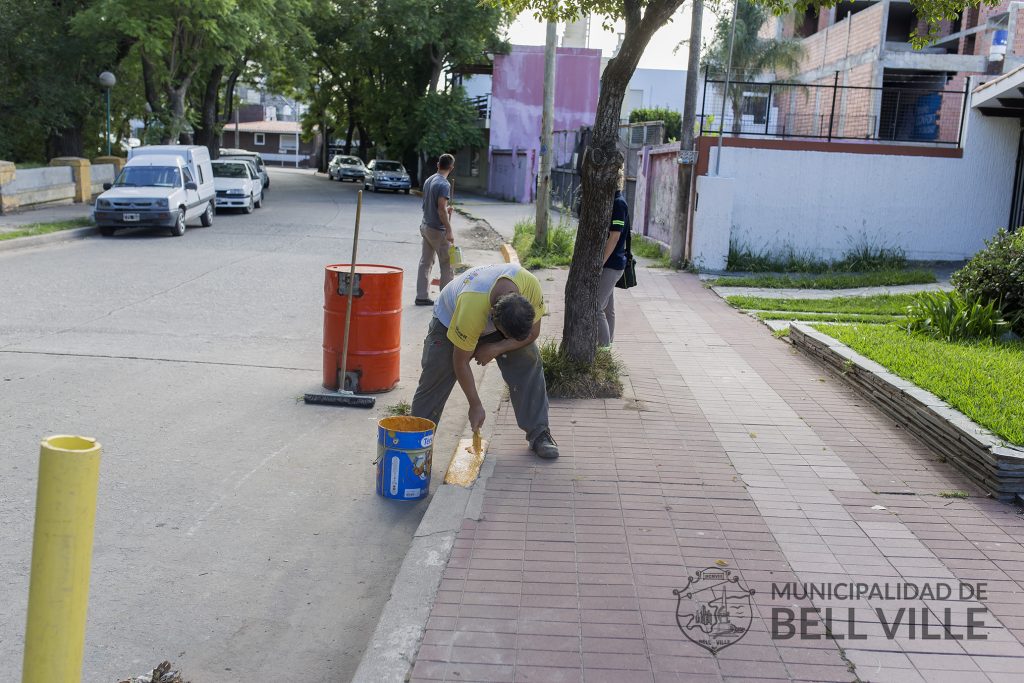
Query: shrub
point(673, 120)
point(566, 379)
point(952, 317)
point(996, 273)
point(862, 258)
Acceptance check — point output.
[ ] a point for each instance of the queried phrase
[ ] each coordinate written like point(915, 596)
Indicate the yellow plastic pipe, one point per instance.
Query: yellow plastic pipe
point(58, 594)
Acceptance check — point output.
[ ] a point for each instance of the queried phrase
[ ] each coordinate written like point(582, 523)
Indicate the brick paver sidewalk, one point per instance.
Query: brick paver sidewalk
point(731, 452)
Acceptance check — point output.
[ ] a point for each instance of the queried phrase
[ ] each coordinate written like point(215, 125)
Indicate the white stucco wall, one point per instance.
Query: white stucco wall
point(660, 87)
point(477, 85)
point(826, 203)
point(712, 222)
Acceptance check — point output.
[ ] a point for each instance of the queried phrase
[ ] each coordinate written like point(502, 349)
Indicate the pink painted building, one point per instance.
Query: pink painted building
point(516, 102)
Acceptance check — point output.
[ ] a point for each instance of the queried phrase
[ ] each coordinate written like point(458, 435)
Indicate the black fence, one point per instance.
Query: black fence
point(898, 112)
point(482, 105)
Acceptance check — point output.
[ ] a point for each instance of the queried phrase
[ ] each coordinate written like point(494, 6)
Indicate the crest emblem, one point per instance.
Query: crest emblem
point(714, 610)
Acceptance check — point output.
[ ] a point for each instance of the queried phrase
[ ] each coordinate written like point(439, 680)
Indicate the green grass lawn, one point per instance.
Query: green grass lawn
point(883, 278)
point(983, 380)
point(879, 304)
point(33, 229)
point(561, 240)
point(827, 317)
point(645, 248)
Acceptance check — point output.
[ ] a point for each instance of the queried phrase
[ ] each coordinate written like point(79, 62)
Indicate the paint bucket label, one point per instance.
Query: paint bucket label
point(395, 468)
point(404, 457)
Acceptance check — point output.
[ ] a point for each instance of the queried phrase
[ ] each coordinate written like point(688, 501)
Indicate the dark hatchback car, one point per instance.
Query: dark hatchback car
point(344, 168)
point(386, 175)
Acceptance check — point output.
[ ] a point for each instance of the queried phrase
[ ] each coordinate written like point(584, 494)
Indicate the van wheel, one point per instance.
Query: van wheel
point(207, 218)
point(259, 202)
point(179, 225)
point(106, 231)
point(248, 208)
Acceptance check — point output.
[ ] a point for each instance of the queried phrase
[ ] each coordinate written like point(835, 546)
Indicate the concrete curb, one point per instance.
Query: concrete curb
point(391, 652)
point(509, 254)
point(989, 462)
point(39, 240)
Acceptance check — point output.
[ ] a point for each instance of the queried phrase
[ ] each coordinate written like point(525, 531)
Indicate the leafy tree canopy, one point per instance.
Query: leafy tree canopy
point(377, 68)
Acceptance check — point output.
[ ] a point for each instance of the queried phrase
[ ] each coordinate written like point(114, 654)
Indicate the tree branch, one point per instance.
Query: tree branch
point(631, 14)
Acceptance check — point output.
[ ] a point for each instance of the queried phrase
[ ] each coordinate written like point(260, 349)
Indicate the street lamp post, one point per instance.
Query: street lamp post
point(108, 81)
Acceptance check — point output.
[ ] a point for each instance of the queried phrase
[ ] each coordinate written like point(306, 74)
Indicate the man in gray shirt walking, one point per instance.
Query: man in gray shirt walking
point(436, 229)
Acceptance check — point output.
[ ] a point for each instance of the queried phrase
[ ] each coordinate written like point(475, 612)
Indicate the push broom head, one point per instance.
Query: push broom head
point(341, 398)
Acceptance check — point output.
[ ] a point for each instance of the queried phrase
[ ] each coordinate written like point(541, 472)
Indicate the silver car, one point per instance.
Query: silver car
point(344, 167)
point(382, 174)
point(253, 157)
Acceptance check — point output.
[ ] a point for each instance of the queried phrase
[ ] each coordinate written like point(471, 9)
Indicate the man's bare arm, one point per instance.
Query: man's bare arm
point(444, 213)
point(464, 374)
point(488, 352)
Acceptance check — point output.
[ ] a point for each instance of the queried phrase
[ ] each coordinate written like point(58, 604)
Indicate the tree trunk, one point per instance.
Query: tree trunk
point(67, 142)
point(348, 135)
point(149, 84)
point(737, 114)
point(206, 130)
point(364, 143)
point(601, 164)
point(176, 99)
point(681, 229)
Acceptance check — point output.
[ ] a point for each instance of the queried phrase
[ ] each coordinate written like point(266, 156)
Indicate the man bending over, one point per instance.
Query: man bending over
point(488, 313)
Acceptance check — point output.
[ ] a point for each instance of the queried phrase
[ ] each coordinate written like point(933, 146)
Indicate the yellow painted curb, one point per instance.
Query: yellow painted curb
point(465, 465)
point(509, 254)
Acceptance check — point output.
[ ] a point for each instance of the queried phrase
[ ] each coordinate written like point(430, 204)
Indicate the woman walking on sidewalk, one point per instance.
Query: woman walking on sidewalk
point(614, 265)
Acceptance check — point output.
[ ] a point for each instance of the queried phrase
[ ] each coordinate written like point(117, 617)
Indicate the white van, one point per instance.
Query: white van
point(161, 185)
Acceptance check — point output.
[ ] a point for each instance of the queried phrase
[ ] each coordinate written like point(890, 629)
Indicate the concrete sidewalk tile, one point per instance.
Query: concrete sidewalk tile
point(739, 454)
point(484, 673)
point(547, 674)
point(549, 658)
point(942, 676)
point(617, 676)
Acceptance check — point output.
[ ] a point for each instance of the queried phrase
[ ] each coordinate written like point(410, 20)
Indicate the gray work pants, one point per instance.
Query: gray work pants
point(434, 242)
point(521, 369)
point(606, 306)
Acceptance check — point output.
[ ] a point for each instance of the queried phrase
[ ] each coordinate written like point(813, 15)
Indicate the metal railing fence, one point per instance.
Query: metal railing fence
point(912, 113)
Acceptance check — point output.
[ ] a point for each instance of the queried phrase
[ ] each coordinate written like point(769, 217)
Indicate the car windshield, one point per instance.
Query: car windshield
point(393, 166)
point(149, 176)
point(230, 171)
point(243, 157)
point(350, 161)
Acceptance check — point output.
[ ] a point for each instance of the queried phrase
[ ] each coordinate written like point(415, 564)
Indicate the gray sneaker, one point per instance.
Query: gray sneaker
point(545, 447)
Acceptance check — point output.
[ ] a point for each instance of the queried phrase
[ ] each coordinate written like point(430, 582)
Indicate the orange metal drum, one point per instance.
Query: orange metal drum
point(376, 334)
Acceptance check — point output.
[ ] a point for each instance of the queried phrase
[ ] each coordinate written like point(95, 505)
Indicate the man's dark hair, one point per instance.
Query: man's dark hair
point(514, 313)
point(445, 162)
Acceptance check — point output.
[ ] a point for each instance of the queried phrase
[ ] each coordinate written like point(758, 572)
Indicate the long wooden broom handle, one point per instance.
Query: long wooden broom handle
point(351, 289)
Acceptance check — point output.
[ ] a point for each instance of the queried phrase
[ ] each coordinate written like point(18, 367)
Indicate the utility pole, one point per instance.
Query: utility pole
point(687, 156)
point(737, 126)
point(547, 126)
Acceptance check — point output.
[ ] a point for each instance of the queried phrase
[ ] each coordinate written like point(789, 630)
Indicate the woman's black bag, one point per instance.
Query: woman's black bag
point(628, 278)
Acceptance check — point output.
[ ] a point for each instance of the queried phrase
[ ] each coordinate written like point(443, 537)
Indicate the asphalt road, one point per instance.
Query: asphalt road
point(237, 534)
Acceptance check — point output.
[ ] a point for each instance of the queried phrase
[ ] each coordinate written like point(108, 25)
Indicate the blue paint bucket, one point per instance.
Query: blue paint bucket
point(405, 446)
